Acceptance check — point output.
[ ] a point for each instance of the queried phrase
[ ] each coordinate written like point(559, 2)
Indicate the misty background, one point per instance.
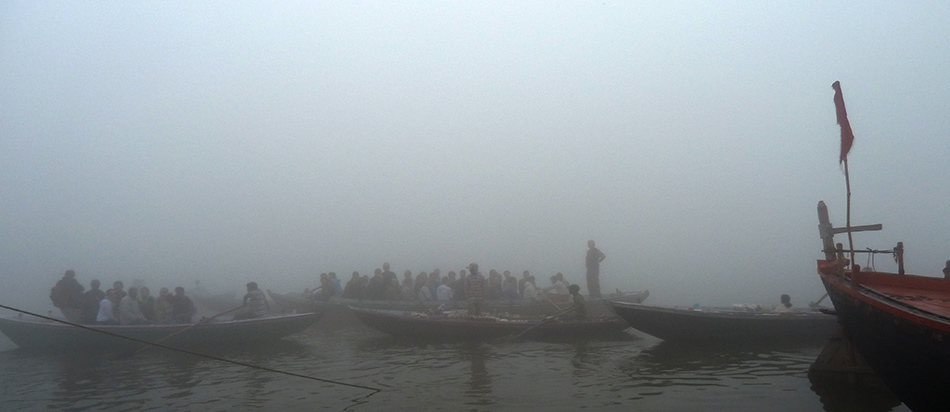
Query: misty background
point(273, 141)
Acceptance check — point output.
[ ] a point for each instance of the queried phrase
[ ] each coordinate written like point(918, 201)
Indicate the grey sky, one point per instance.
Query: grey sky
point(271, 141)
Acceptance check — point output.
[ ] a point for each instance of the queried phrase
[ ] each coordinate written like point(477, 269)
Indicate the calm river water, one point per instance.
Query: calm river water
point(639, 373)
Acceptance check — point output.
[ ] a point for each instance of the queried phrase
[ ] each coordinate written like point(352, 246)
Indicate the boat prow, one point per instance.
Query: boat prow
point(43, 334)
point(703, 325)
point(900, 324)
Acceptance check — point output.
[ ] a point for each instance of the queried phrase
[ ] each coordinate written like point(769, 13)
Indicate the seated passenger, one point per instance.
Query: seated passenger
point(255, 303)
point(578, 310)
point(392, 290)
point(147, 304)
point(90, 304)
point(129, 311)
point(558, 291)
point(183, 309)
point(444, 291)
point(163, 306)
point(785, 306)
point(530, 290)
point(106, 315)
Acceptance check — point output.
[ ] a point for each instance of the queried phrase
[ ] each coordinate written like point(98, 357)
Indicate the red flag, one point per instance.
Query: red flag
point(847, 136)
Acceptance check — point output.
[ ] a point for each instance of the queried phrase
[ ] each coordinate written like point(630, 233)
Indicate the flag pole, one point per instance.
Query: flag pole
point(847, 184)
point(847, 138)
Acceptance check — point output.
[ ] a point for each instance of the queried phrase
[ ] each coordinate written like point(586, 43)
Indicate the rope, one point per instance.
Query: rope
point(233, 362)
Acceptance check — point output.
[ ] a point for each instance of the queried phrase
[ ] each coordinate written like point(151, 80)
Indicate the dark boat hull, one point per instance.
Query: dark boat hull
point(444, 328)
point(336, 313)
point(907, 348)
point(50, 335)
point(702, 326)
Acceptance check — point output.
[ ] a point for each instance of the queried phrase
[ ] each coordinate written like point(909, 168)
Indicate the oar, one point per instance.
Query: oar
point(542, 322)
point(205, 320)
point(552, 302)
point(814, 305)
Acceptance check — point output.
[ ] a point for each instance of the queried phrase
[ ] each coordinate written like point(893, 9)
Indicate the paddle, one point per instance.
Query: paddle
point(204, 320)
point(542, 322)
point(551, 301)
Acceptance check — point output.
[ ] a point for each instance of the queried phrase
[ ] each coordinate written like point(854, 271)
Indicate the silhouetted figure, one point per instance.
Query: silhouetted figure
point(255, 303)
point(946, 271)
point(91, 299)
point(594, 257)
point(182, 307)
point(67, 295)
point(786, 305)
point(579, 309)
point(106, 315)
point(474, 290)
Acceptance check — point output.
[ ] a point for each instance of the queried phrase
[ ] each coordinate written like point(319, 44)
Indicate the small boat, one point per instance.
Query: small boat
point(44, 334)
point(900, 324)
point(456, 325)
point(519, 307)
point(704, 325)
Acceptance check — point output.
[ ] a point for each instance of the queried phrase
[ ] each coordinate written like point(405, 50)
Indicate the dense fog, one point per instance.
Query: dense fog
point(273, 141)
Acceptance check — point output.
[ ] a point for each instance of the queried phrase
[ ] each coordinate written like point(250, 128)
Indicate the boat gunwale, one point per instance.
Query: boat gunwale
point(885, 303)
point(723, 313)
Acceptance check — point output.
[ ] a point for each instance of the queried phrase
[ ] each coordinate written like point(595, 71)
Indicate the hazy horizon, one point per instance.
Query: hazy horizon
point(273, 141)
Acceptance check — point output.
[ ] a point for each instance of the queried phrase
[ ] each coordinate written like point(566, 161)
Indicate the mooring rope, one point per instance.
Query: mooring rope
point(233, 362)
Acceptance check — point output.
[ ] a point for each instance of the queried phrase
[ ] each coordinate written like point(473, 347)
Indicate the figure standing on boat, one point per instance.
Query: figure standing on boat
point(594, 257)
point(474, 290)
point(67, 296)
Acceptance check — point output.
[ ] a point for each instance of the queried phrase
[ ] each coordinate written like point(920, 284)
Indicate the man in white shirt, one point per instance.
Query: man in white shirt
point(444, 291)
point(129, 311)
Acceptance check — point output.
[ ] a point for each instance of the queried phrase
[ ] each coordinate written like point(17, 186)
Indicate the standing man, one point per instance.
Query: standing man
point(474, 290)
point(67, 295)
point(594, 257)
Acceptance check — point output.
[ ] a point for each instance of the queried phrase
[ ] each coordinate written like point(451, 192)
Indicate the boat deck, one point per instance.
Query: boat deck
point(930, 301)
point(926, 294)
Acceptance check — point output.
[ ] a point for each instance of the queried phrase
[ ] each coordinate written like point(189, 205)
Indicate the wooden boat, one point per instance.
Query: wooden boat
point(455, 325)
point(299, 302)
point(706, 325)
point(900, 324)
point(37, 333)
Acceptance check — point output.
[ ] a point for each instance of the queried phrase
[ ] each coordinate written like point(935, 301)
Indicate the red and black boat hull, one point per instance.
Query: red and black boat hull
point(908, 348)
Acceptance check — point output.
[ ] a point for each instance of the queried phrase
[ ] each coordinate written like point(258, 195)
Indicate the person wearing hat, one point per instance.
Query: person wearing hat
point(474, 290)
point(255, 303)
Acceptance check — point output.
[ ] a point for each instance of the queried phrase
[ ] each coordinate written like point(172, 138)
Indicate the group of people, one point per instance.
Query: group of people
point(468, 285)
point(116, 306)
point(433, 286)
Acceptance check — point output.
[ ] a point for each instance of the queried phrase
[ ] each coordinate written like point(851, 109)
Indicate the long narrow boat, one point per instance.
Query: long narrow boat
point(297, 302)
point(454, 325)
point(37, 333)
point(900, 324)
point(703, 325)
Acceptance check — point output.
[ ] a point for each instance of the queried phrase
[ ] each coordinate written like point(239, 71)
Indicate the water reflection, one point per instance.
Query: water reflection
point(708, 361)
point(479, 382)
point(854, 393)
